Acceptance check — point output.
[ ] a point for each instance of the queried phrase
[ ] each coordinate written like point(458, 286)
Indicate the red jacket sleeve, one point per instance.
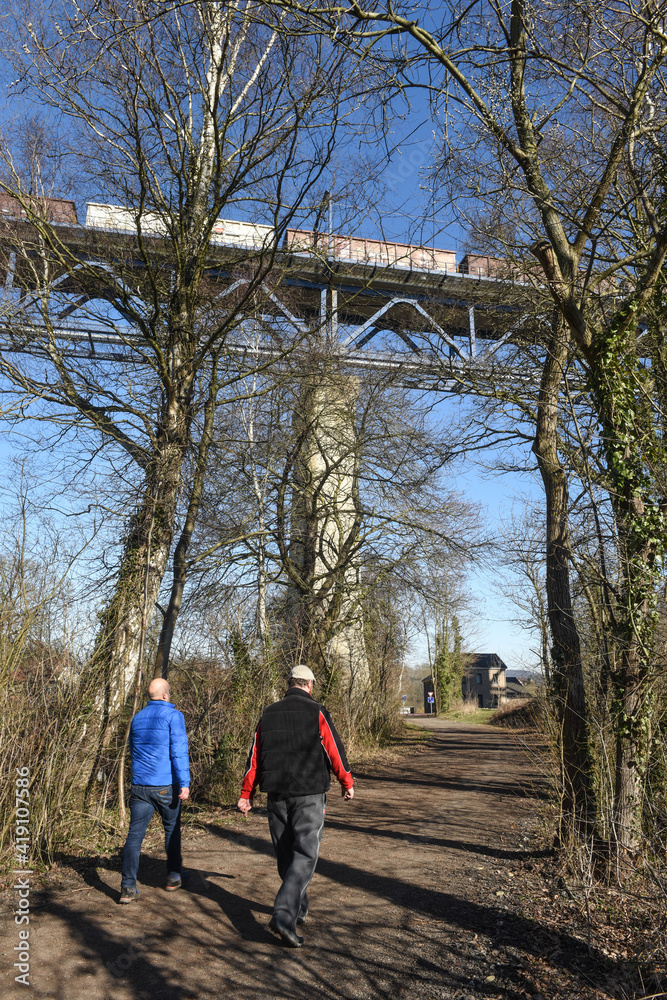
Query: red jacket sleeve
point(251, 776)
point(333, 748)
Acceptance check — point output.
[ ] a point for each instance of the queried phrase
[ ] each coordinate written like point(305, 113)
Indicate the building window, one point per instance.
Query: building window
point(479, 678)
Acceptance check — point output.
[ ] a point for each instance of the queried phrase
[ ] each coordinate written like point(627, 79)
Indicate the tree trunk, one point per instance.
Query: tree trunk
point(142, 567)
point(579, 805)
point(631, 751)
point(180, 563)
point(630, 682)
point(143, 564)
point(619, 385)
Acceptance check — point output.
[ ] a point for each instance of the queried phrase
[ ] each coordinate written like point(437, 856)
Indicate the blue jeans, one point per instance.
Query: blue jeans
point(144, 800)
point(296, 823)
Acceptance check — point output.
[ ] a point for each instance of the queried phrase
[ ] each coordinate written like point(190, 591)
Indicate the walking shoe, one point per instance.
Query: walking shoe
point(301, 919)
point(173, 882)
point(290, 937)
point(127, 894)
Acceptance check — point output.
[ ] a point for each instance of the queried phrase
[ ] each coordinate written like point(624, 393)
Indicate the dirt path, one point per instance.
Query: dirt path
point(414, 898)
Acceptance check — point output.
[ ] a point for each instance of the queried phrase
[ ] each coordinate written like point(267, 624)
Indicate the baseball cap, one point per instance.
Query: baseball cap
point(301, 673)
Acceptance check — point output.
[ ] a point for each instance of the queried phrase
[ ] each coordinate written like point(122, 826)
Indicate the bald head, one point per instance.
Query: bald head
point(158, 689)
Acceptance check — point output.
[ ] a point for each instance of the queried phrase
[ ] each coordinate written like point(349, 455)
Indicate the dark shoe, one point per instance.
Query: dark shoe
point(173, 882)
point(301, 919)
point(127, 894)
point(290, 937)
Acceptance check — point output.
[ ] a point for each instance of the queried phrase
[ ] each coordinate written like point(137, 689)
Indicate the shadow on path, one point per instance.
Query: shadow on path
point(152, 976)
point(528, 935)
point(457, 845)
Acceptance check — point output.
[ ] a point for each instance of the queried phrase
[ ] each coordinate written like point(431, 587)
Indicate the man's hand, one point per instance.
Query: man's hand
point(245, 805)
point(184, 793)
point(347, 793)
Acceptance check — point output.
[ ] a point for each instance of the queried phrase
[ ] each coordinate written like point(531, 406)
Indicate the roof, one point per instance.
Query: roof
point(483, 661)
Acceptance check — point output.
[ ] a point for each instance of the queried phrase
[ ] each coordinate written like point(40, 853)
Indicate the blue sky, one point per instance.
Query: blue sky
point(410, 208)
point(493, 622)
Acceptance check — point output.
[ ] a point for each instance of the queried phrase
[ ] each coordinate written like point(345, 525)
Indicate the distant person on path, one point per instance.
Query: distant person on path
point(160, 780)
point(296, 747)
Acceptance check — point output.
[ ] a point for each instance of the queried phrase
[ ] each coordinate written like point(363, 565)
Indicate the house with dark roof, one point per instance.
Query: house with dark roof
point(484, 680)
point(516, 688)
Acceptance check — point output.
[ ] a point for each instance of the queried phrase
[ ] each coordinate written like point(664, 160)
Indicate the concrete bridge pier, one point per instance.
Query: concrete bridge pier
point(325, 611)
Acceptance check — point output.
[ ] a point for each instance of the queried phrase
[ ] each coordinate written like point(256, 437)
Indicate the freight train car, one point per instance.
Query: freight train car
point(483, 266)
point(500, 268)
point(360, 250)
point(226, 232)
point(115, 219)
point(57, 210)
point(252, 235)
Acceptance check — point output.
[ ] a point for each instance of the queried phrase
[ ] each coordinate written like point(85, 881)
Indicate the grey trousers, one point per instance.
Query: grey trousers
point(296, 824)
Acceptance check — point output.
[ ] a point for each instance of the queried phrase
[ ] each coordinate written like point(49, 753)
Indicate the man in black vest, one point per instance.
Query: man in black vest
point(295, 748)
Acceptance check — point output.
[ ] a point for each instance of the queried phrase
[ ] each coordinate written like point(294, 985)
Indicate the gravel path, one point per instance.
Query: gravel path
point(415, 896)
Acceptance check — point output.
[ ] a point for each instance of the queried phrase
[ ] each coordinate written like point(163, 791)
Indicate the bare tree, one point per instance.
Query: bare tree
point(556, 115)
point(174, 115)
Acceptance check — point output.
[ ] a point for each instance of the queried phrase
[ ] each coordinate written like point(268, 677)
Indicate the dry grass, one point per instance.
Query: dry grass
point(523, 713)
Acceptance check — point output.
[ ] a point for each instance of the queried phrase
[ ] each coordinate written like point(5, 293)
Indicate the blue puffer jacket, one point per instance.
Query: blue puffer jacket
point(159, 746)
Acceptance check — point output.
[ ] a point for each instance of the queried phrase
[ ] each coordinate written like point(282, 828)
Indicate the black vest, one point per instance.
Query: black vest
point(292, 760)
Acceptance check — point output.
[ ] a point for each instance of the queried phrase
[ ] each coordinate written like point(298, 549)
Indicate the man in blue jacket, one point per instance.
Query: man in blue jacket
point(160, 780)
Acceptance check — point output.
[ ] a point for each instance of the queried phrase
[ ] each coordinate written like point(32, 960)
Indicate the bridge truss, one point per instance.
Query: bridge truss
point(428, 329)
